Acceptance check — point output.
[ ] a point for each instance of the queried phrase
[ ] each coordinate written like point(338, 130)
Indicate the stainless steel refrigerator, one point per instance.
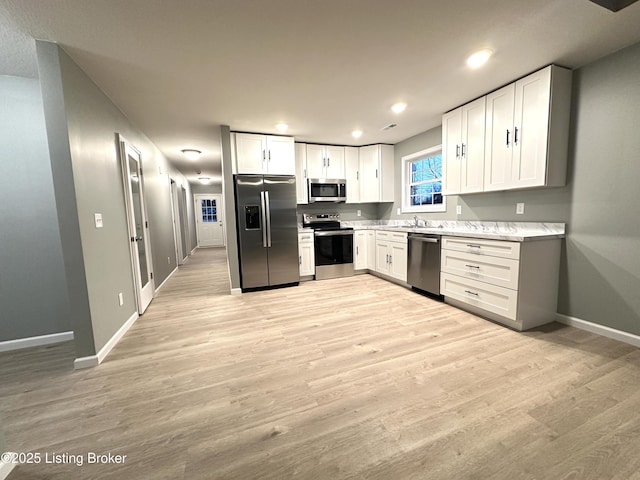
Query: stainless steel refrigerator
point(267, 230)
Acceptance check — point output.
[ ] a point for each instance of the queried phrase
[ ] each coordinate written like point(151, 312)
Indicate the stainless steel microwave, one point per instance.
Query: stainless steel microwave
point(327, 190)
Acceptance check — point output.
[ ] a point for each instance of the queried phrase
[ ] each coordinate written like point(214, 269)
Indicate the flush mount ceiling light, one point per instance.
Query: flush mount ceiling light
point(614, 5)
point(282, 127)
point(191, 153)
point(205, 180)
point(479, 58)
point(398, 107)
point(356, 133)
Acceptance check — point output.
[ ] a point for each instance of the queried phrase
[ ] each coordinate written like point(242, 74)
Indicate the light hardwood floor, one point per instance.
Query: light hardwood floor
point(352, 378)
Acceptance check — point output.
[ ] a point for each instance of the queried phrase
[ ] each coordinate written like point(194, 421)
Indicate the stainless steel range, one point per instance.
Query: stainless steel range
point(333, 245)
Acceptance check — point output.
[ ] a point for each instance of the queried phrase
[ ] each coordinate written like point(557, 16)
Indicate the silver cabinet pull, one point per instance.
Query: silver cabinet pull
point(515, 136)
point(508, 137)
point(471, 293)
point(462, 154)
point(472, 266)
point(473, 245)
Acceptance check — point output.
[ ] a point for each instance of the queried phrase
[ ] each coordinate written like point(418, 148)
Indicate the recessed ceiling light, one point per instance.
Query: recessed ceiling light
point(479, 58)
point(282, 127)
point(356, 133)
point(399, 107)
point(204, 180)
point(191, 153)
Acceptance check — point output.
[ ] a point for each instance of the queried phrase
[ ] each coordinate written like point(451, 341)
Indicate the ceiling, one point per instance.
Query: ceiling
point(179, 69)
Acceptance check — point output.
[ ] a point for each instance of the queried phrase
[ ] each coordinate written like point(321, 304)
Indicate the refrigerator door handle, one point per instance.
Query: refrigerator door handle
point(264, 219)
point(268, 217)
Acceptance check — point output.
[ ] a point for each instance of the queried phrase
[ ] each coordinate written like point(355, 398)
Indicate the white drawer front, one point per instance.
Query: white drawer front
point(494, 270)
point(495, 248)
point(392, 236)
point(498, 300)
point(305, 237)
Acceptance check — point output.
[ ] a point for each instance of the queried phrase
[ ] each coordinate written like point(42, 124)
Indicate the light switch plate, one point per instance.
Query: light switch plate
point(120, 299)
point(519, 208)
point(458, 209)
point(98, 219)
point(359, 213)
point(398, 211)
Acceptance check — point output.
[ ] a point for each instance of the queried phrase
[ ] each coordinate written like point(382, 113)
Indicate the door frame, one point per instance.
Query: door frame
point(175, 215)
point(143, 292)
point(219, 207)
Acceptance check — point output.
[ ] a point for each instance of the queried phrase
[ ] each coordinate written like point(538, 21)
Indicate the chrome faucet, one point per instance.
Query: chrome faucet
point(416, 221)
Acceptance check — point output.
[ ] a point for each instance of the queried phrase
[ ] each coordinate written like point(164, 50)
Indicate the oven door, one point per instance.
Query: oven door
point(334, 253)
point(333, 247)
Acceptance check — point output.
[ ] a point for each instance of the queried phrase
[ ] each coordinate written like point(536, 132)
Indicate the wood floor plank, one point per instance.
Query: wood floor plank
point(350, 378)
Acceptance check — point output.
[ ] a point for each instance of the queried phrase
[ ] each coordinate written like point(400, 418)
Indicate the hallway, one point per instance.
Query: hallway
point(347, 378)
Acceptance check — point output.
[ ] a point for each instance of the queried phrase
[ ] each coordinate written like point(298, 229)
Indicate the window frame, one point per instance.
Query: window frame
point(406, 183)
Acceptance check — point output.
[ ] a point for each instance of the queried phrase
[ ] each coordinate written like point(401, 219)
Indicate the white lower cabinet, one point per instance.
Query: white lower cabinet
point(514, 283)
point(391, 254)
point(364, 250)
point(306, 256)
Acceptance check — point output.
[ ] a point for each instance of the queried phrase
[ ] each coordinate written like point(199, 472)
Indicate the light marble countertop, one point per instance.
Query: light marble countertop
point(510, 231)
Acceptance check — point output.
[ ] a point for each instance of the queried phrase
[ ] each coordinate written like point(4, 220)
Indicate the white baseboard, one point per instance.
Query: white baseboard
point(155, 292)
point(5, 469)
point(95, 360)
point(608, 332)
point(35, 341)
point(236, 291)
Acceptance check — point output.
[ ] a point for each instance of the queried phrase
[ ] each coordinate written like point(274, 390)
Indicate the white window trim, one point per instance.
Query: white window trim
point(406, 204)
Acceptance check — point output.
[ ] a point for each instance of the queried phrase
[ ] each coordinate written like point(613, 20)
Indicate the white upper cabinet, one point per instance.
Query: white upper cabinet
point(302, 188)
point(325, 161)
point(463, 132)
point(499, 139)
point(376, 174)
point(527, 131)
point(352, 168)
point(265, 154)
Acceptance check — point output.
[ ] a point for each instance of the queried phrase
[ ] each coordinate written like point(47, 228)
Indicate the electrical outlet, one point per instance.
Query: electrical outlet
point(458, 209)
point(519, 208)
point(97, 217)
point(398, 211)
point(168, 260)
point(359, 213)
point(120, 299)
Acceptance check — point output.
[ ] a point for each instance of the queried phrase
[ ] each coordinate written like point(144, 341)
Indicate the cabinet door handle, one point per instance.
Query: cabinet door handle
point(515, 136)
point(304, 173)
point(472, 266)
point(358, 175)
point(508, 137)
point(269, 155)
point(471, 293)
point(457, 151)
point(357, 250)
point(473, 245)
point(328, 161)
point(390, 259)
point(376, 173)
point(462, 154)
point(300, 259)
point(264, 155)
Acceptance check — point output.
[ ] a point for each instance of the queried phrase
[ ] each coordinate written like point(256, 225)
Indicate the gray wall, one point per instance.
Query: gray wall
point(198, 188)
point(229, 207)
point(33, 290)
point(347, 211)
point(92, 122)
point(600, 270)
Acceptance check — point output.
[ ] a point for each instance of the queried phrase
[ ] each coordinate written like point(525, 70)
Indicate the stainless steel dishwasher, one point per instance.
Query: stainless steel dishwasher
point(423, 270)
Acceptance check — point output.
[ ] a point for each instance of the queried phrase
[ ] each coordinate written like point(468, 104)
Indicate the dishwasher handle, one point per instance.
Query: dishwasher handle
point(425, 239)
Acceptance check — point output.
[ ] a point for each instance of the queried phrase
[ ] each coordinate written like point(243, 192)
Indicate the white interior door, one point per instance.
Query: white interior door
point(209, 220)
point(138, 226)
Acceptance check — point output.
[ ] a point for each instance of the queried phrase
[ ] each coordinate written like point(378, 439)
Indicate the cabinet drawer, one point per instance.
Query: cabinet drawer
point(495, 248)
point(498, 300)
point(305, 237)
point(494, 270)
point(392, 236)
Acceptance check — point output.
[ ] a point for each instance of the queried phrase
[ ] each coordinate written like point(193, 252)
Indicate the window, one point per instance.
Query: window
point(208, 211)
point(422, 181)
